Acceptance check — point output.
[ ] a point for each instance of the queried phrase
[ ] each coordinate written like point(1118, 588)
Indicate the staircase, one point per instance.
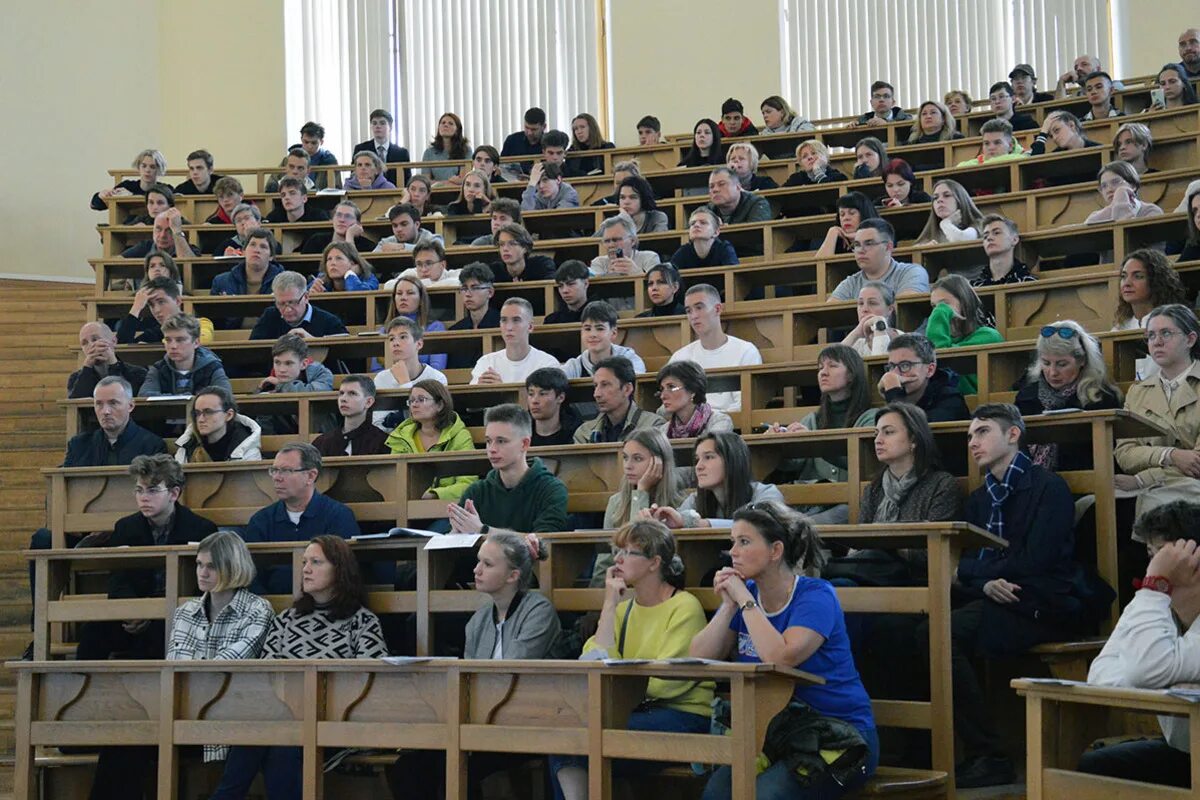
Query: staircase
point(39, 322)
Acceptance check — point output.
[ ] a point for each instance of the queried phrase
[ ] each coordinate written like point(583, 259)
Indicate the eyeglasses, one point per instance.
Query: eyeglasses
point(290, 303)
point(275, 471)
point(856, 246)
point(477, 288)
point(626, 554)
point(1063, 332)
point(151, 490)
point(426, 264)
point(669, 389)
point(902, 367)
point(418, 401)
point(1162, 336)
point(207, 412)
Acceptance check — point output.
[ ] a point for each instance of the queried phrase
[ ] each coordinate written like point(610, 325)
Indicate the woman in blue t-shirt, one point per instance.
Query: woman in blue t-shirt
point(772, 613)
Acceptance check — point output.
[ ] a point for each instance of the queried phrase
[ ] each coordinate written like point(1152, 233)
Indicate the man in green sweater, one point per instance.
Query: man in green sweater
point(517, 495)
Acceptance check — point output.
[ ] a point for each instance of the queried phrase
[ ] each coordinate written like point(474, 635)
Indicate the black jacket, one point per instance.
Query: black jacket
point(92, 449)
point(271, 325)
point(187, 187)
point(490, 320)
point(665, 311)
point(537, 268)
point(311, 214)
point(82, 382)
point(395, 154)
point(942, 400)
point(569, 419)
point(134, 531)
point(366, 439)
point(138, 330)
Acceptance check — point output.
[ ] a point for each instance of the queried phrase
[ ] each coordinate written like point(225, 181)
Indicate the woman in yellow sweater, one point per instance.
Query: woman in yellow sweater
point(645, 615)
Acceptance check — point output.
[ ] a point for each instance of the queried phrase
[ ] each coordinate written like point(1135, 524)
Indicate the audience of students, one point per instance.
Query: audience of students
point(217, 431)
point(343, 269)
point(732, 203)
point(870, 154)
point(293, 313)
point(1098, 89)
point(477, 288)
point(912, 375)
point(959, 319)
point(742, 158)
point(528, 140)
point(649, 131)
point(1133, 145)
point(186, 367)
point(648, 479)
point(1176, 87)
point(1064, 130)
point(1024, 83)
point(935, 123)
point(475, 196)
point(585, 136)
point(911, 486)
point(619, 243)
point(852, 209)
point(554, 419)
point(405, 340)
point(705, 247)
point(883, 110)
point(958, 102)
point(873, 244)
point(255, 273)
point(448, 144)
point(1003, 102)
point(997, 144)
point(1147, 281)
point(518, 358)
point(312, 140)
point(246, 218)
point(292, 371)
point(571, 285)
point(517, 259)
point(381, 145)
point(876, 320)
point(230, 195)
point(598, 334)
point(713, 348)
point(410, 299)
point(151, 166)
point(683, 398)
point(347, 227)
point(546, 189)
point(504, 211)
point(706, 146)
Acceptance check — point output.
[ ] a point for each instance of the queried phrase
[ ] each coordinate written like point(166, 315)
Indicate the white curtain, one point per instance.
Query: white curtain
point(486, 61)
point(833, 49)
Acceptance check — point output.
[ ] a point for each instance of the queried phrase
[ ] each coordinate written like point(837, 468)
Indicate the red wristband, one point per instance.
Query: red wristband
point(1155, 583)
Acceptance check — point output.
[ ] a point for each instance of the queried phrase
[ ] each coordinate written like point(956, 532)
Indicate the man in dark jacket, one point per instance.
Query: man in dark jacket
point(380, 145)
point(554, 419)
point(912, 376)
point(293, 313)
point(358, 435)
point(527, 141)
point(99, 345)
point(160, 521)
point(734, 205)
point(883, 110)
point(187, 367)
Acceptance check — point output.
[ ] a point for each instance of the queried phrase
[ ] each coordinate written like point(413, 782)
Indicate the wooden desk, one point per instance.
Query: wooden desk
point(529, 707)
point(1060, 721)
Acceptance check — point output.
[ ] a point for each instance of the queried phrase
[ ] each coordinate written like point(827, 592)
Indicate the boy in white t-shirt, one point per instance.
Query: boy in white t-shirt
point(405, 338)
point(518, 358)
point(713, 347)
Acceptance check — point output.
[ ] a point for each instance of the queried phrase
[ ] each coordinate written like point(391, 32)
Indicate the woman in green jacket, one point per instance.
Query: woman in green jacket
point(959, 320)
point(433, 426)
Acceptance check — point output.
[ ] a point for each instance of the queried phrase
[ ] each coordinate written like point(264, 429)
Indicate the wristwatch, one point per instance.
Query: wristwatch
point(746, 606)
point(484, 529)
point(1155, 583)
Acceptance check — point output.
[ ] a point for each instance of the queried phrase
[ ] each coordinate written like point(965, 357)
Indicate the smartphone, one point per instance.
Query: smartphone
point(620, 252)
point(1157, 98)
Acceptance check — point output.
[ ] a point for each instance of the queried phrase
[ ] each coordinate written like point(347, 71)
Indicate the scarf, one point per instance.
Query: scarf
point(818, 174)
point(1051, 399)
point(694, 426)
point(999, 492)
point(894, 491)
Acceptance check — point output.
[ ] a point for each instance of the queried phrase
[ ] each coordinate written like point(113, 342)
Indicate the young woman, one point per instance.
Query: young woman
point(343, 269)
point(771, 611)
point(852, 209)
point(159, 198)
point(954, 216)
point(910, 487)
point(410, 299)
point(150, 164)
point(876, 320)
point(368, 173)
point(448, 145)
point(585, 135)
point(645, 615)
point(1065, 130)
point(1068, 371)
point(959, 320)
point(743, 159)
point(870, 154)
point(900, 185)
point(724, 484)
point(681, 389)
point(419, 193)
point(636, 198)
point(935, 123)
point(517, 261)
point(648, 478)
point(1119, 184)
point(434, 427)
point(328, 620)
point(1133, 144)
point(706, 146)
point(160, 265)
point(705, 248)
point(780, 117)
point(475, 196)
point(1191, 246)
point(1177, 89)
point(958, 103)
point(1147, 282)
point(813, 161)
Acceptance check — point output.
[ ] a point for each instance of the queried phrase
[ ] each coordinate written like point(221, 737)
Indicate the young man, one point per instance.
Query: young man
point(347, 227)
point(518, 358)
point(554, 419)
point(528, 140)
point(571, 283)
point(998, 145)
point(912, 376)
point(407, 232)
point(613, 381)
point(1002, 100)
point(255, 273)
point(291, 372)
point(217, 432)
point(732, 203)
point(293, 204)
point(477, 289)
point(161, 296)
point(516, 495)
point(873, 244)
point(292, 312)
point(554, 149)
point(734, 121)
point(883, 110)
point(1098, 89)
point(99, 345)
point(1189, 52)
point(357, 436)
point(312, 140)
point(598, 335)
point(649, 131)
point(546, 189)
point(1154, 647)
point(300, 513)
point(295, 165)
point(505, 211)
point(167, 236)
point(201, 178)
point(405, 338)
point(229, 194)
point(160, 520)
point(713, 347)
point(662, 287)
point(381, 145)
point(619, 243)
point(429, 266)
point(187, 367)
point(1030, 592)
point(1024, 84)
point(1000, 239)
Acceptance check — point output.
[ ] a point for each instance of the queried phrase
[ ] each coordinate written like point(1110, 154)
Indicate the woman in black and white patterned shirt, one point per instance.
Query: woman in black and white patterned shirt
point(328, 620)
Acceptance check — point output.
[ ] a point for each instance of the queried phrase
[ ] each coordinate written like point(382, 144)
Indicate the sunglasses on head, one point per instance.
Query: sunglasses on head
point(1064, 332)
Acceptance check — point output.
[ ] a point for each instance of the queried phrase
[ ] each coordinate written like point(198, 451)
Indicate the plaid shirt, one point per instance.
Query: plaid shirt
point(237, 632)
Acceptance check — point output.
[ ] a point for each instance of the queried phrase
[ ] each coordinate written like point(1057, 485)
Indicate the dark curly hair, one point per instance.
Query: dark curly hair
point(1165, 286)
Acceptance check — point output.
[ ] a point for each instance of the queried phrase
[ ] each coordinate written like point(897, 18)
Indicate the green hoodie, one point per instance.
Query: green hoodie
point(454, 436)
point(938, 332)
point(538, 504)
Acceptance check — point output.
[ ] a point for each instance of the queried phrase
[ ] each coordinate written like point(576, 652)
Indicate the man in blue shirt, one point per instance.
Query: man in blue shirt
point(300, 513)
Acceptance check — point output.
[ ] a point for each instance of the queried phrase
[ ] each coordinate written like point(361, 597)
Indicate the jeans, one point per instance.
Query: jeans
point(281, 767)
point(1147, 760)
point(778, 783)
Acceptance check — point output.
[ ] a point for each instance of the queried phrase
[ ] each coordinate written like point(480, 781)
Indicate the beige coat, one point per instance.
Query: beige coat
point(1181, 417)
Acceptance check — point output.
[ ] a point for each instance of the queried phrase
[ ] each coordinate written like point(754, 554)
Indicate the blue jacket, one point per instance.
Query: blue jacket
point(91, 449)
point(324, 515)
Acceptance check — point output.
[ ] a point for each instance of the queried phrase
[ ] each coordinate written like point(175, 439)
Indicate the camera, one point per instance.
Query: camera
point(880, 325)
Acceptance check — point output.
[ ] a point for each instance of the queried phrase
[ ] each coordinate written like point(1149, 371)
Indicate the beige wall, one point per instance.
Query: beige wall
point(1143, 42)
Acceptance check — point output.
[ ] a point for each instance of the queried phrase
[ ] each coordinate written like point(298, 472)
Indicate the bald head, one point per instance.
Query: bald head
point(98, 343)
point(1189, 49)
point(1085, 65)
point(91, 331)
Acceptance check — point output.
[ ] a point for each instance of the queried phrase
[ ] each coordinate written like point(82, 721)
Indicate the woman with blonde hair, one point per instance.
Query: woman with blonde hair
point(954, 216)
point(813, 162)
point(935, 123)
point(743, 158)
point(150, 164)
point(475, 196)
point(779, 117)
point(958, 103)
